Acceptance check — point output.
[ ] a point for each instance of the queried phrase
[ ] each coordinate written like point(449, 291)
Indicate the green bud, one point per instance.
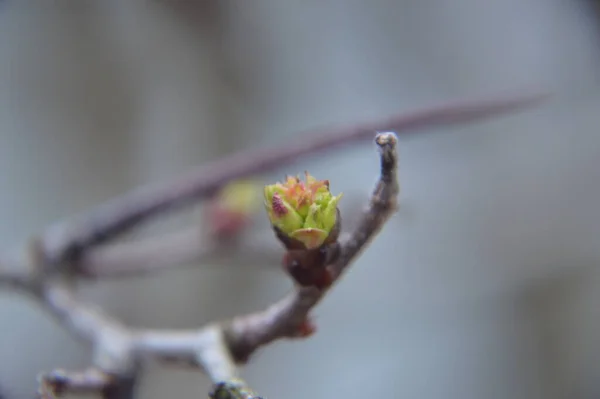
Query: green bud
point(240, 197)
point(305, 211)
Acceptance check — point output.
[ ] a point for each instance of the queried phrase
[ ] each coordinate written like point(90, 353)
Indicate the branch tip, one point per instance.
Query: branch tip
point(386, 139)
point(288, 317)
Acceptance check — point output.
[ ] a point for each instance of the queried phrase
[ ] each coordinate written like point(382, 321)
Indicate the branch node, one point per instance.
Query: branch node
point(233, 389)
point(60, 381)
point(113, 351)
point(289, 317)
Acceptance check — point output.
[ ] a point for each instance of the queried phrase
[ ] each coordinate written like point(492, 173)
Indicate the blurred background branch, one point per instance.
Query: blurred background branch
point(119, 350)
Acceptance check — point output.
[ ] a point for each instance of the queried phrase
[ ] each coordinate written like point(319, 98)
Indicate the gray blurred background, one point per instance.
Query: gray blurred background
point(485, 285)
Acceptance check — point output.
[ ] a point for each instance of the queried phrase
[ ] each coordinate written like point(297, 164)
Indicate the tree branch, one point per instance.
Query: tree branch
point(92, 380)
point(116, 367)
point(189, 247)
point(247, 333)
point(205, 348)
point(70, 251)
point(69, 240)
point(217, 348)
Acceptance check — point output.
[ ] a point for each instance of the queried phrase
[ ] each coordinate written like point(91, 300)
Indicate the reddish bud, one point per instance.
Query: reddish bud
point(230, 210)
point(306, 328)
point(278, 206)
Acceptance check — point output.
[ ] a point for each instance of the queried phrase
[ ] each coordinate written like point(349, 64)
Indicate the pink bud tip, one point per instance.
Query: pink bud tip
point(279, 208)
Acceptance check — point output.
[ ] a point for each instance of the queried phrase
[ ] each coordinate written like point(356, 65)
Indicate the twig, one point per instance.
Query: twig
point(59, 381)
point(84, 321)
point(205, 348)
point(216, 348)
point(247, 333)
point(189, 247)
point(68, 241)
point(71, 251)
point(116, 366)
point(55, 384)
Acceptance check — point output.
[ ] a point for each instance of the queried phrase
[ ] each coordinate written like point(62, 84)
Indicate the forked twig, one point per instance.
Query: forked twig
point(218, 347)
point(247, 333)
point(71, 250)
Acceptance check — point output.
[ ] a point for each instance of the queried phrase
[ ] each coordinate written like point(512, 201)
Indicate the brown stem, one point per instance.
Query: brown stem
point(247, 333)
point(215, 348)
point(205, 348)
point(115, 363)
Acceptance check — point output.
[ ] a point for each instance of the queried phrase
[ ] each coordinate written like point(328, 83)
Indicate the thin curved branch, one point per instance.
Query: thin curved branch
point(68, 241)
